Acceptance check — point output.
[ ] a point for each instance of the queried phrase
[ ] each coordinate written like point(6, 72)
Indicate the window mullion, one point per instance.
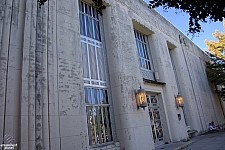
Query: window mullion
point(145, 52)
point(89, 68)
point(102, 64)
point(138, 48)
point(103, 124)
point(93, 25)
point(96, 54)
point(85, 23)
point(89, 124)
point(94, 123)
point(99, 126)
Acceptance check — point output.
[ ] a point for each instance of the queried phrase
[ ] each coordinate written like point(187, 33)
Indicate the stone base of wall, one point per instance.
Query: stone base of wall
point(113, 146)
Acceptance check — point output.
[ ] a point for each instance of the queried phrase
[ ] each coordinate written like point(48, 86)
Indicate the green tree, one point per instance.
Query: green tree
point(217, 48)
point(198, 10)
point(216, 66)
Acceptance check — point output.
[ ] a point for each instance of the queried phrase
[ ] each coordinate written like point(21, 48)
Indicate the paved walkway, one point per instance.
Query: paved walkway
point(208, 141)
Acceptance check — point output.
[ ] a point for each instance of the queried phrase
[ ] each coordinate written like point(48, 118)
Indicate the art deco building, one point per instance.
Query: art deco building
point(70, 77)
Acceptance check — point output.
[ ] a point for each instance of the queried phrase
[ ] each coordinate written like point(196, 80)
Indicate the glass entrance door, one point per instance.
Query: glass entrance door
point(156, 124)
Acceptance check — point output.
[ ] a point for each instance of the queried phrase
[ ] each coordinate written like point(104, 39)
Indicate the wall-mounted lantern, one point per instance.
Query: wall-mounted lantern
point(179, 101)
point(141, 98)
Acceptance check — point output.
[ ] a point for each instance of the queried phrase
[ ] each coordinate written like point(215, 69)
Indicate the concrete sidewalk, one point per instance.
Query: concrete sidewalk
point(208, 141)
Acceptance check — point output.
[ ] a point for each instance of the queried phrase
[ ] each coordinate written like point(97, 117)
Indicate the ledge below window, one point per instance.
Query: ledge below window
point(154, 82)
point(106, 146)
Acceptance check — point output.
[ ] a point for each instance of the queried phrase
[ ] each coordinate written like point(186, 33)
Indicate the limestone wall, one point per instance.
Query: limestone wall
point(41, 77)
point(42, 102)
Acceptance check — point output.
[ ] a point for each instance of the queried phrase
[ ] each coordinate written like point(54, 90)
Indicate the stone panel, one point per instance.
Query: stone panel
point(67, 8)
point(70, 88)
point(73, 125)
point(67, 45)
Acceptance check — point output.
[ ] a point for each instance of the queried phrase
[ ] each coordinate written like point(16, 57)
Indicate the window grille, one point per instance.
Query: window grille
point(94, 73)
point(99, 127)
point(142, 47)
point(145, 62)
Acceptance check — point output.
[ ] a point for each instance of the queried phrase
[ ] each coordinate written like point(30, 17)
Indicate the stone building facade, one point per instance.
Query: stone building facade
point(69, 77)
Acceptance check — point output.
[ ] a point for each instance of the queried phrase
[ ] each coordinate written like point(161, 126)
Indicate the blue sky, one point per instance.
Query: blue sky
point(180, 21)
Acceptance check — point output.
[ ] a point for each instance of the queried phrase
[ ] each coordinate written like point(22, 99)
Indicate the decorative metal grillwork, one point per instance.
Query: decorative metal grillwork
point(95, 76)
point(156, 124)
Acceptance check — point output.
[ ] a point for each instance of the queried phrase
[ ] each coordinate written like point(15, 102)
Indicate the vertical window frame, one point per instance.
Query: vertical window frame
point(103, 74)
point(142, 43)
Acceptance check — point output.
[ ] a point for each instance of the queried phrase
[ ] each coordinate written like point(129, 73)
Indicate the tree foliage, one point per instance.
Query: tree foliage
point(216, 66)
point(216, 74)
point(197, 9)
point(217, 48)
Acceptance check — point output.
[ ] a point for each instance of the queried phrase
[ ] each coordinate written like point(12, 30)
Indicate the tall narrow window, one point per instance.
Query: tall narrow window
point(95, 81)
point(144, 55)
point(142, 47)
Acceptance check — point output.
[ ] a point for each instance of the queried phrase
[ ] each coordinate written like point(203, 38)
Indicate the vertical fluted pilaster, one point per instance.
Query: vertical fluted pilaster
point(38, 80)
point(5, 22)
point(39, 112)
point(41, 79)
point(27, 121)
point(41, 75)
point(11, 41)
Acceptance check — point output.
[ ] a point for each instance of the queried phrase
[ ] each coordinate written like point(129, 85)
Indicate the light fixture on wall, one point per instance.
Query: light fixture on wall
point(179, 101)
point(141, 98)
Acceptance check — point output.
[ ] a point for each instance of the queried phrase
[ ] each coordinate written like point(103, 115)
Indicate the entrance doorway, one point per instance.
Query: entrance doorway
point(156, 123)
